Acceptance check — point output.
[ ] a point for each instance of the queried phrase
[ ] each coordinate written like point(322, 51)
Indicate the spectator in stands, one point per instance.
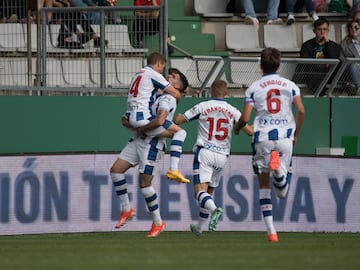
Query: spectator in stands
point(272, 12)
point(351, 48)
point(11, 12)
point(146, 22)
point(318, 47)
point(356, 10)
point(111, 17)
point(50, 16)
point(290, 8)
point(69, 27)
point(321, 6)
point(339, 6)
point(94, 17)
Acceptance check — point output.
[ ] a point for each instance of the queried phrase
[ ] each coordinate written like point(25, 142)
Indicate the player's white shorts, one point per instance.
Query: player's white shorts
point(261, 157)
point(140, 152)
point(208, 166)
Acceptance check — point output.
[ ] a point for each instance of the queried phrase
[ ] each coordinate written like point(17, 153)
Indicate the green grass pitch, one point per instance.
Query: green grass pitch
point(180, 250)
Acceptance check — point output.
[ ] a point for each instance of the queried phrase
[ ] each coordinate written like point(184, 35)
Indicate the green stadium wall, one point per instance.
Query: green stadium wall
point(63, 124)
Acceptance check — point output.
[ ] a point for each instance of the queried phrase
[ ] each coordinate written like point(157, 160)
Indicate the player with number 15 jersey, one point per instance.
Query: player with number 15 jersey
point(216, 120)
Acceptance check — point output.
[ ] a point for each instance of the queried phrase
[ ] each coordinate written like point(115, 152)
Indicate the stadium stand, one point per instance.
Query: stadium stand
point(11, 37)
point(282, 37)
point(212, 41)
point(242, 38)
point(211, 8)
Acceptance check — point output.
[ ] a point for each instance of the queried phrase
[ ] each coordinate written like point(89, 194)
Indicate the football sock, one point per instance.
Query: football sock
point(176, 149)
point(280, 182)
point(120, 186)
point(266, 209)
point(152, 204)
point(206, 201)
point(203, 218)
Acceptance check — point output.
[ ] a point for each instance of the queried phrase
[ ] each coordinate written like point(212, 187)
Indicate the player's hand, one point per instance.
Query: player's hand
point(125, 122)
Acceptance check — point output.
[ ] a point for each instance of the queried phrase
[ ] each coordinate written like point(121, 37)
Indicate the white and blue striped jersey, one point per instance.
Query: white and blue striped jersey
point(272, 98)
point(216, 121)
point(165, 102)
point(142, 94)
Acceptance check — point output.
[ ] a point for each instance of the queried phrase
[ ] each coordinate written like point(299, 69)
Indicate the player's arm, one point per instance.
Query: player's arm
point(180, 119)
point(249, 130)
point(125, 122)
point(158, 121)
point(244, 119)
point(173, 91)
point(300, 116)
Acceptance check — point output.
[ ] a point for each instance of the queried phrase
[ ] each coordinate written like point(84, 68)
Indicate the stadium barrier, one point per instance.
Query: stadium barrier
point(74, 193)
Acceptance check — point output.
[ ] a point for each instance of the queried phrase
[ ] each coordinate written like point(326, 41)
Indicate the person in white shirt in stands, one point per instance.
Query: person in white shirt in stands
point(275, 131)
point(216, 119)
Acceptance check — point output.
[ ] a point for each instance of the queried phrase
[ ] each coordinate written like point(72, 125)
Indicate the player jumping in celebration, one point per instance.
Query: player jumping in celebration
point(275, 131)
point(143, 91)
point(144, 151)
point(211, 151)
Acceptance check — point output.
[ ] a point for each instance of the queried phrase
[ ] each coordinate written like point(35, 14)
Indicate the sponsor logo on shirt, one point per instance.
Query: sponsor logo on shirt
point(215, 148)
point(272, 122)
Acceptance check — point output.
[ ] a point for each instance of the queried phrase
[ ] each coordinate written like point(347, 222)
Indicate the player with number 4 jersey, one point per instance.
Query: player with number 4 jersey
point(275, 130)
point(144, 88)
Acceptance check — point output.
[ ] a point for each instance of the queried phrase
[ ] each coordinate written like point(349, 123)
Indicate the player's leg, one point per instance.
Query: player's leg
point(202, 167)
point(177, 135)
point(127, 159)
point(261, 168)
point(266, 205)
point(176, 146)
point(280, 175)
point(149, 156)
point(219, 163)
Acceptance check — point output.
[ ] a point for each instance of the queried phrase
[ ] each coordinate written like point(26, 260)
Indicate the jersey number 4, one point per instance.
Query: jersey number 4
point(134, 88)
point(219, 128)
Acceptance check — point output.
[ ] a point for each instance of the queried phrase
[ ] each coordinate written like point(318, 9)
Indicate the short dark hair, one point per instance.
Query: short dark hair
point(320, 21)
point(270, 60)
point(183, 80)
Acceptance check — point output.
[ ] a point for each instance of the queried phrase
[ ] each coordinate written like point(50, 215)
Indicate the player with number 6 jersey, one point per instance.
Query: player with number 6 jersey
point(275, 130)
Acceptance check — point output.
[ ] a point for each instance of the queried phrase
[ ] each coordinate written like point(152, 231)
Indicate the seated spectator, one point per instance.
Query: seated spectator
point(272, 12)
point(351, 48)
point(339, 6)
point(11, 12)
point(318, 47)
point(94, 17)
point(111, 17)
point(290, 9)
point(69, 27)
point(321, 6)
point(50, 16)
point(146, 22)
point(355, 12)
